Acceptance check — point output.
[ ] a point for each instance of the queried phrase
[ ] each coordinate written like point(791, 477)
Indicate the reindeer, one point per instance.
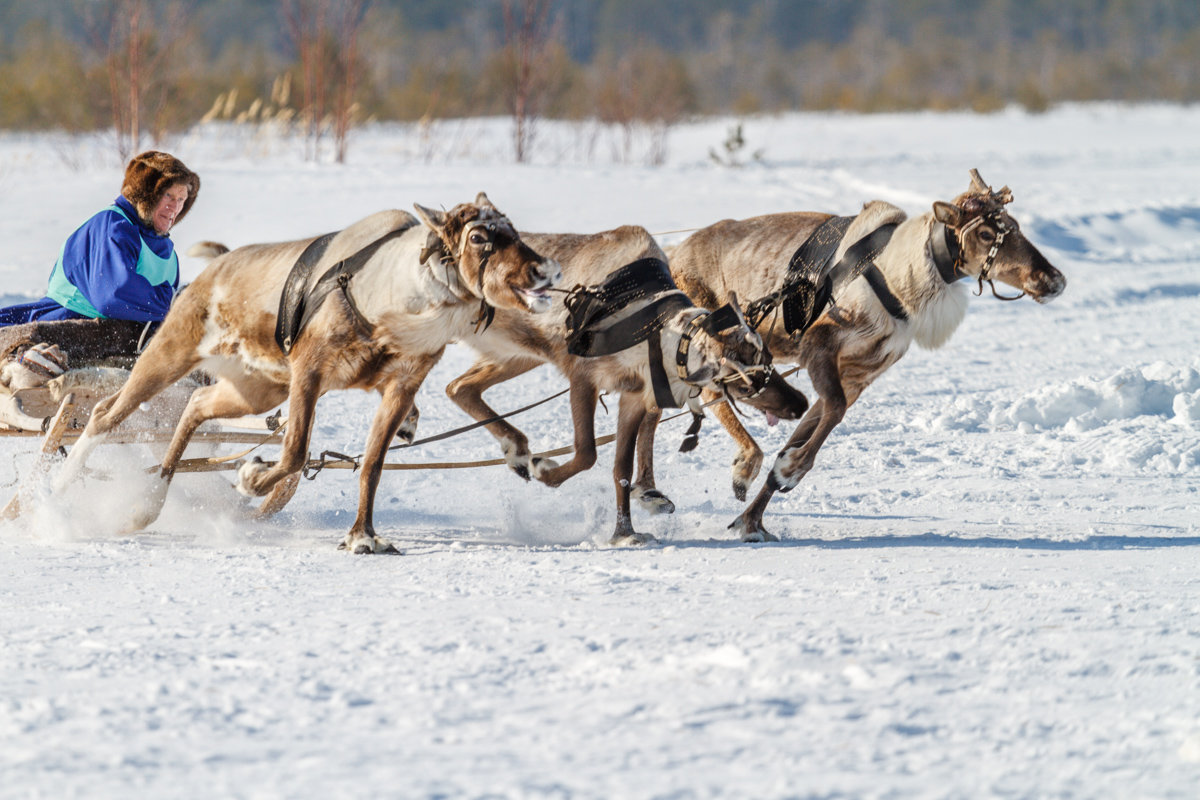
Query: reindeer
point(911, 290)
point(727, 357)
point(378, 319)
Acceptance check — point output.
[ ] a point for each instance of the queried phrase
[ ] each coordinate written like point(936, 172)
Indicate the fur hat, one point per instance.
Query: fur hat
point(150, 175)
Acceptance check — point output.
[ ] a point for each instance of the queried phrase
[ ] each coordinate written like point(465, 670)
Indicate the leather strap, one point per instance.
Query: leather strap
point(945, 250)
point(644, 285)
point(293, 298)
point(301, 306)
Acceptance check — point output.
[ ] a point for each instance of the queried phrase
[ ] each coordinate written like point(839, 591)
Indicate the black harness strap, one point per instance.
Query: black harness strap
point(663, 396)
point(590, 329)
point(859, 260)
point(297, 307)
point(292, 300)
point(879, 286)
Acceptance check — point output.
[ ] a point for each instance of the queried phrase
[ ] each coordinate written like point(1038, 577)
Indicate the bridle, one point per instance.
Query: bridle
point(755, 377)
point(992, 203)
point(489, 227)
point(714, 323)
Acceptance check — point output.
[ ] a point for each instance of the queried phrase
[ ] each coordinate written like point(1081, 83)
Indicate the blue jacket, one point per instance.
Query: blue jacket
point(101, 260)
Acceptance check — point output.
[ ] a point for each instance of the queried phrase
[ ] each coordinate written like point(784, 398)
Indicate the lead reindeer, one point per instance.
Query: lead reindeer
point(892, 291)
point(725, 356)
point(371, 307)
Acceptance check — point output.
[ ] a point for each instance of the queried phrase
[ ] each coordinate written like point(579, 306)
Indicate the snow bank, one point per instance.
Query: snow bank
point(1145, 417)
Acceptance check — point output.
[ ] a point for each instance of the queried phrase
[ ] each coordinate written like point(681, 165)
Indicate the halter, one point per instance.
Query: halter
point(756, 376)
point(451, 278)
point(996, 218)
point(714, 323)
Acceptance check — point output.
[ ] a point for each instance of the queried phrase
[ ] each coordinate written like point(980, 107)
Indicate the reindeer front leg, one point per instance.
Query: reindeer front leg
point(749, 458)
point(583, 415)
point(467, 393)
point(629, 419)
point(644, 490)
point(798, 455)
point(393, 408)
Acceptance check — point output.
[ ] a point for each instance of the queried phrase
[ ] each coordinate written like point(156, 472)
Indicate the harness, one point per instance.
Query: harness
point(630, 307)
point(298, 303)
point(813, 278)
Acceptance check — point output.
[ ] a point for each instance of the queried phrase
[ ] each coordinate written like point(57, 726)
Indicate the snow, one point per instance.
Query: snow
point(987, 586)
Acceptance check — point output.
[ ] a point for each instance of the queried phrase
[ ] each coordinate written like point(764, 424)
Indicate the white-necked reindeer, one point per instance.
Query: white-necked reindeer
point(406, 292)
point(914, 293)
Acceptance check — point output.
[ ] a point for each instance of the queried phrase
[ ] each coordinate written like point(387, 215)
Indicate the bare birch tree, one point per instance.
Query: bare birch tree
point(137, 47)
point(528, 34)
point(325, 34)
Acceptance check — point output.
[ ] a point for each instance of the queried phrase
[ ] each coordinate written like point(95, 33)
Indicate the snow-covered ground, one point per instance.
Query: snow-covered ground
point(989, 586)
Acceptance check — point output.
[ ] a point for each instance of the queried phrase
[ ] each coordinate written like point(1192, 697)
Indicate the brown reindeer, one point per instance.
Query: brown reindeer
point(730, 360)
point(911, 293)
point(407, 292)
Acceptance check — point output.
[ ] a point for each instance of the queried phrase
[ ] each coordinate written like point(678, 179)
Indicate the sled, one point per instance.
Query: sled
point(101, 352)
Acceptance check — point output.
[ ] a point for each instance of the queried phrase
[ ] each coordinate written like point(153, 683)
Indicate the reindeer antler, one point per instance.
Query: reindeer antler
point(1004, 196)
point(977, 183)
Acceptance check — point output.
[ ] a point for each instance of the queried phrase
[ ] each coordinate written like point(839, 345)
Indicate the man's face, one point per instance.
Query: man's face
point(168, 208)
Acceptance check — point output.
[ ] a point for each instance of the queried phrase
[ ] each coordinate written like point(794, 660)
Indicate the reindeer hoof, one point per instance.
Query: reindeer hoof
point(751, 533)
point(408, 429)
point(631, 539)
point(363, 545)
point(144, 510)
point(653, 500)
point(247, 472)
point(542, 467)
point(745, 469)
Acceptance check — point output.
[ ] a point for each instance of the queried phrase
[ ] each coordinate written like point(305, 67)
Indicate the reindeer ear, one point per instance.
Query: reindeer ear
point(732, 299)
point(482, 201)
point(948, 214)
point(704, 374)
point(435, 220)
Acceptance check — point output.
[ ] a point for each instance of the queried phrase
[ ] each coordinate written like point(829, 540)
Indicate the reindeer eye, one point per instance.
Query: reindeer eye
point(987, 235)
point(478, 238)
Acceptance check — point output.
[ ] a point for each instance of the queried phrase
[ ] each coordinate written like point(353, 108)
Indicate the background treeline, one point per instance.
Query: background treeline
point(73, 64)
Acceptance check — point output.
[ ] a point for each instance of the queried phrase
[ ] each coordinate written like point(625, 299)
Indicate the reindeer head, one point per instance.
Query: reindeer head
point(492, 261)
point(724, 353)
point(991, 245)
